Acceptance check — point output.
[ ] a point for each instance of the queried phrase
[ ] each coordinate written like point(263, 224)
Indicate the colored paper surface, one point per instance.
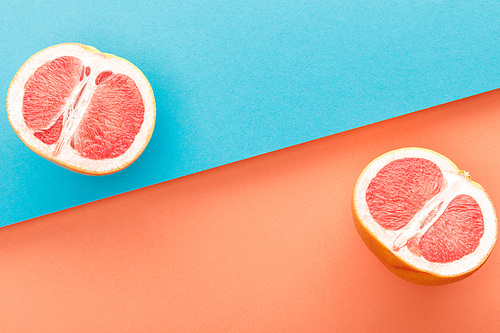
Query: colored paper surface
point(262, 245)
point(236, 79)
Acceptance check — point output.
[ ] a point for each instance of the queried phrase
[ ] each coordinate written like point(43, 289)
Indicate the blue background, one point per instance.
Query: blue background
point(234, 79)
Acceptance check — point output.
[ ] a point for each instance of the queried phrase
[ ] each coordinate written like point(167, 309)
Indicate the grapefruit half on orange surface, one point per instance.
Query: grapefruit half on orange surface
point(423, 217)
point(88, 111)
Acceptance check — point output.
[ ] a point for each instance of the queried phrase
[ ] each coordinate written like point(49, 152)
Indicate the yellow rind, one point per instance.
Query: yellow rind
point(66, 165)
point(395, 264)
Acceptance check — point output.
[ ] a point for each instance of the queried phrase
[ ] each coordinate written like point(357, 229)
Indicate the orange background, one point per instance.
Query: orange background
point(262, 245)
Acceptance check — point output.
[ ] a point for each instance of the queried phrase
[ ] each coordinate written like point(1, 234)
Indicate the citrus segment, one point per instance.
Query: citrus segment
point(89, 111)
point(456, 233)
point(47, 91)
point(424, 218)
point(113, 119)
point(401, 189)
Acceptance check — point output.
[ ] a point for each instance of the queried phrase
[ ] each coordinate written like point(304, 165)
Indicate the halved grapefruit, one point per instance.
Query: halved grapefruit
point(423, 217)
point(88, 111)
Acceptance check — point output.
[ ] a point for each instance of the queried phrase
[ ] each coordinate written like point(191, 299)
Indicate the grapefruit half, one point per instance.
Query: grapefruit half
point(88, 111)
point(423, 217)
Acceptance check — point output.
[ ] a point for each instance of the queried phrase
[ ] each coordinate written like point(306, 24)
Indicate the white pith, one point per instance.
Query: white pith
point(452, 175)
point(98, 62)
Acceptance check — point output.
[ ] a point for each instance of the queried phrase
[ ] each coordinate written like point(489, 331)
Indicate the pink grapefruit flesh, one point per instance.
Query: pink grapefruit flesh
point(113, 119)
point(45, 95)
point(401, 189)
point(456, 233)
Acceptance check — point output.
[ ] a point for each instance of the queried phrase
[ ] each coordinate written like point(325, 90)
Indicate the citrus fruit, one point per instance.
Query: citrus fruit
point(88, 111)
point(423, 217)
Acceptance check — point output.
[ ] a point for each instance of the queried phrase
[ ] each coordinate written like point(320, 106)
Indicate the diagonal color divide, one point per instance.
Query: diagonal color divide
point(235, 79)
point(262, 245)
